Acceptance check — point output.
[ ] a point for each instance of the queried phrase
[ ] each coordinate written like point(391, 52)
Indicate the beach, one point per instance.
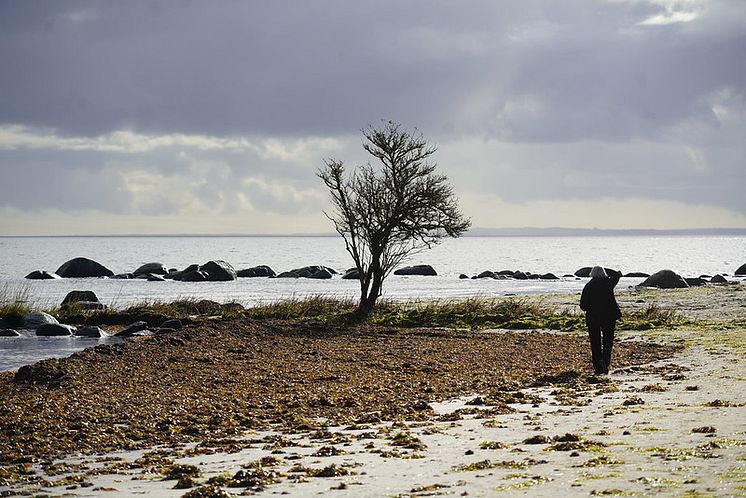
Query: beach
point(278, 406)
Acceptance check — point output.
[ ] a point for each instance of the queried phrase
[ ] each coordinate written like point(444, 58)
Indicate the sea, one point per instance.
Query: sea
point(470, 255)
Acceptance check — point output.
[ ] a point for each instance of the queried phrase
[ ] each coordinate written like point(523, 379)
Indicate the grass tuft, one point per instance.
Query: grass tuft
point(14, 304)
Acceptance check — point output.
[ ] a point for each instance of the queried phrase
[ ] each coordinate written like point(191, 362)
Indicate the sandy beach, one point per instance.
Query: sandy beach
point(280, 408)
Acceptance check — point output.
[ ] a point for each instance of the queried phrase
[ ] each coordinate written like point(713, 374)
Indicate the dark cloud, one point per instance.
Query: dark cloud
point(327, 67)
point(580, 99)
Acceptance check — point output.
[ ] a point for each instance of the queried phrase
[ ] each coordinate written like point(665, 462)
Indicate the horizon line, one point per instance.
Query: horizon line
point(475, 232)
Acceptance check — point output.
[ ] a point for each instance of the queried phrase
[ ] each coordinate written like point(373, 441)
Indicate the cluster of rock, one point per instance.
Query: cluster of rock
point(43, 324)
point(219, 271)
point(512, 275)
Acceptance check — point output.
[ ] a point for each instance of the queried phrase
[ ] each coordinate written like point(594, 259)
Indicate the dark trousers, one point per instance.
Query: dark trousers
point(601, 334)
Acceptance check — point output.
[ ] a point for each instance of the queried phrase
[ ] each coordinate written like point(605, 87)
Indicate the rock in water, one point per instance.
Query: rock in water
point(351, 274)
point(79, 295)
point(256, 271)
point(425, 270)
point(154, 268)
point(665, 279)
point(741, 270)
point(55, 329)
point(36, 319)
point(718, 279)
point(42, 275)
point(218, 271)
point(83, 268)
point(90, 331)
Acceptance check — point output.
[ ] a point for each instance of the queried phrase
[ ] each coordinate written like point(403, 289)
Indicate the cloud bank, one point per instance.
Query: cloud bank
point(181, 116)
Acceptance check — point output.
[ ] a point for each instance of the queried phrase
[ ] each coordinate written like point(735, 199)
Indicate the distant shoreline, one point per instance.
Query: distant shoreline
point(476, 232)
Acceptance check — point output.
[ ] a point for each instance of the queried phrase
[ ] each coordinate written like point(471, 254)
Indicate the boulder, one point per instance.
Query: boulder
point(288, 274)
point(9, 333)
point(637, 274)
point(90, 331)
point(79, 295)
point(178, 274)
point(55, 329)
point(424, 270)
point(194, 276)
point(311, 271)
point(153, 277)
point(718, 279)
point(487, 274)
point(533, 276)
point(152, 268)
point(695, 281)
point(583, 272)
point(549, 276)
point(83, 268)
point(322, 274)
point(218, 271)
point(519, 275)
point(586, 271)
point(351, 274)
point(42, 275)
point(256, 271)
point(132, 329)
point(741, 270)
point(506, 273)
point(36, 319)
point(665, 279)
point(462, 276)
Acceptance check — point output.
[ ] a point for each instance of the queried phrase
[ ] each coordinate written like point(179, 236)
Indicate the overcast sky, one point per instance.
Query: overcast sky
point(213, 117)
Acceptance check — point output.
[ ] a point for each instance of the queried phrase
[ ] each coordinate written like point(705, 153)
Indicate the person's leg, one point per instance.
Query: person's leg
point(608, 343)
point(594, 334)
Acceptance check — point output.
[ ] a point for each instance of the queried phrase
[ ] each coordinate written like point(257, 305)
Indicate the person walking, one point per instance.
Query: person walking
point(601, 314)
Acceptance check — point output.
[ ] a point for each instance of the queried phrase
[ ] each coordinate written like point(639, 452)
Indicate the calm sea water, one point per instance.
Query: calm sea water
point(687, 255)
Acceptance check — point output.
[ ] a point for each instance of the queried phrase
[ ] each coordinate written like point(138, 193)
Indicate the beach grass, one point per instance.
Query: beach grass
point(515, 313)
point(14, 303)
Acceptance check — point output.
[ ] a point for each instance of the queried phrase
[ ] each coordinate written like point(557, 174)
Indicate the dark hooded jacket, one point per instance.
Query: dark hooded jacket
point(597, 299)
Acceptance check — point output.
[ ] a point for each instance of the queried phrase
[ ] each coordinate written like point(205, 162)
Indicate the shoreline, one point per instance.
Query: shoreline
point(397, 363)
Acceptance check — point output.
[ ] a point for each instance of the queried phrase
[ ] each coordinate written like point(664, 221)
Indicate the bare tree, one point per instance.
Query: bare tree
point(391, 211)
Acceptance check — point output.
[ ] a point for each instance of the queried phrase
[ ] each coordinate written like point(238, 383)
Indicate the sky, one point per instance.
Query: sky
point(194, 117)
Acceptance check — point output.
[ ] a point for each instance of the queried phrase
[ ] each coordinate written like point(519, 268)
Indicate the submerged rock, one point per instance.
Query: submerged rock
point(9, 333)
point(83, 268)
point(665, 279)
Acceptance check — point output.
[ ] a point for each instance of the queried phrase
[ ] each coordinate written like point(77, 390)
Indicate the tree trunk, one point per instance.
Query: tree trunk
point(368, 302)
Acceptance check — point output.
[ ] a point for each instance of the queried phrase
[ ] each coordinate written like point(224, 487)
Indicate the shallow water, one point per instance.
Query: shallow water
point(687, 255)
